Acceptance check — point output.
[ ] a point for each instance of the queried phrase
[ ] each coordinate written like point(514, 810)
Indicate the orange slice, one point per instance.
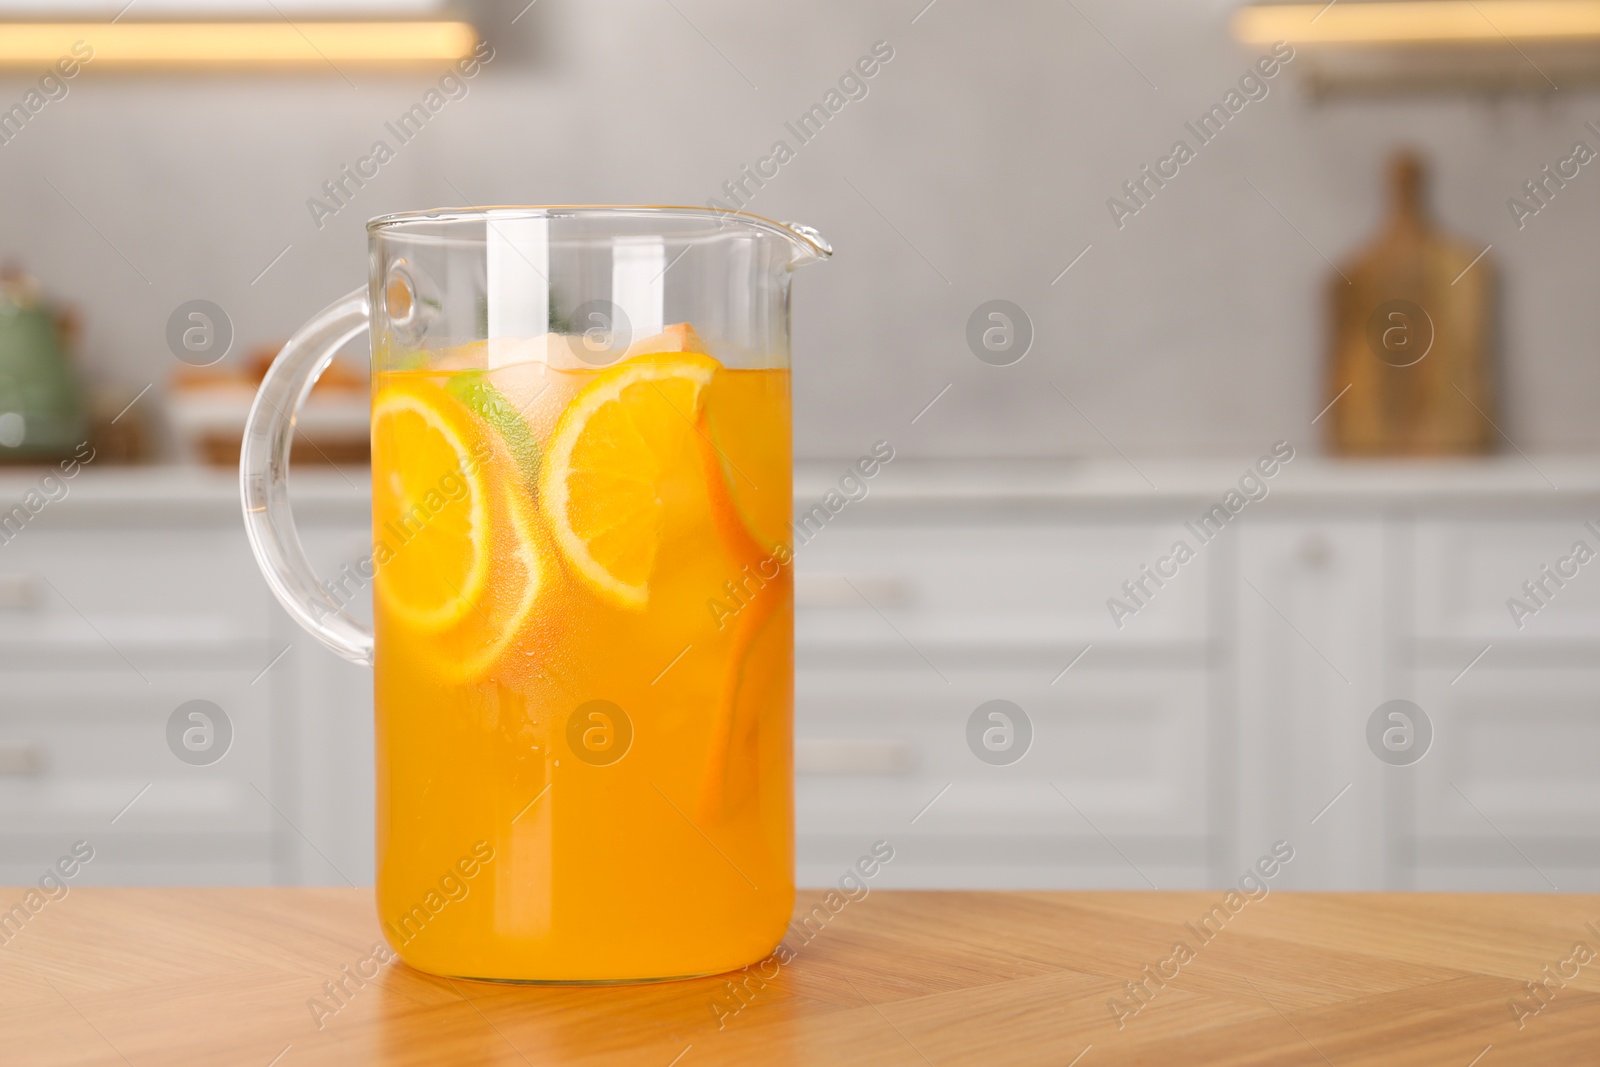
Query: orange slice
point(430, 505)
point(679, 337)
point(601, 483)
point(749, 458)
point(760, 678)
point(500, 625)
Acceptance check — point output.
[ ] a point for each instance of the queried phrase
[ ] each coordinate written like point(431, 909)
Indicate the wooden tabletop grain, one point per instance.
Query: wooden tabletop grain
point(274, 976)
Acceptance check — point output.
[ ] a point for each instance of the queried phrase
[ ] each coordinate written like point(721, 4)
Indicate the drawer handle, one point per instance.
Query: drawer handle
point(20, 592)
point(21, 758)
point(1315, 552)
point(848, 591)
point(821, 756)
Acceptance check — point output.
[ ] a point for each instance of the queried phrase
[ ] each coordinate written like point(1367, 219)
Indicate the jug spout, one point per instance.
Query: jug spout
point(810, 245)
point(806, 244)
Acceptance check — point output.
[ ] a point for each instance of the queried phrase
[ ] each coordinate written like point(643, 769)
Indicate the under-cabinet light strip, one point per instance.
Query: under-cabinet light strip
point(233, 45)
point(1418, 21)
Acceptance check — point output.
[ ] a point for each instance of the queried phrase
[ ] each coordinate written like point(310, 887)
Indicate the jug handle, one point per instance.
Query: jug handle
point(264, 476)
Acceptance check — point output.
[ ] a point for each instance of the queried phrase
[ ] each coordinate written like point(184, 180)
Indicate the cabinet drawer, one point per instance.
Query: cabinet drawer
point(1126, 748)
point(1467, 571)
point(1515, 752)
point(78, 749)
point(88, 595)
point(1019, 585)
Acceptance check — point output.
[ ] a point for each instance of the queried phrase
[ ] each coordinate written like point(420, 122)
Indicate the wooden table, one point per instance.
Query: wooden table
point(225, 976)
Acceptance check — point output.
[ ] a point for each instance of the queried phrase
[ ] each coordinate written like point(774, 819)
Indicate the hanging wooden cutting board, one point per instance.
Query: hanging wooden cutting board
point(1412, 369)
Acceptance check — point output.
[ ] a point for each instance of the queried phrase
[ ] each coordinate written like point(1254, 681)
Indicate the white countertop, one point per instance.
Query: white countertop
point(176, 493)
point(165, 493)
point(1305, 479)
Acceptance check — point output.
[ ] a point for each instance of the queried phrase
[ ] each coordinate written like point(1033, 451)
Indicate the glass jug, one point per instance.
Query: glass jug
point(582, 588)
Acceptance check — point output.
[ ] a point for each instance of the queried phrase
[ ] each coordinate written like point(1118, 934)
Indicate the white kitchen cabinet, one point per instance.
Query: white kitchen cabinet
point(1467, 571)
point(971, 579)
point(1309, 668)
point(324, 741)
point(1229, 712)
point(136, 594)
point(1232, 711)
point(1510, 797)
point(993, 603)
point(89, 761)
point(1110, 753)
point(88, 599)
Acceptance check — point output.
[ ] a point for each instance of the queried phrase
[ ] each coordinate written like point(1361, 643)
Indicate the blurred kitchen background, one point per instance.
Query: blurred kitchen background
point(1173, 345)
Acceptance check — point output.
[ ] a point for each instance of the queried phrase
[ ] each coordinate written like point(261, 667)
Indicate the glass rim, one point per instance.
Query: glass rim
point(399, 221)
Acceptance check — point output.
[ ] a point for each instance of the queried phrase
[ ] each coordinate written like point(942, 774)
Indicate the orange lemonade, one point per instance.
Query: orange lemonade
point(584, 610)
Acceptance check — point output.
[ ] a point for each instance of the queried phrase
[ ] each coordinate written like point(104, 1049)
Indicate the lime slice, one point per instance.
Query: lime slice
point(481, 398)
